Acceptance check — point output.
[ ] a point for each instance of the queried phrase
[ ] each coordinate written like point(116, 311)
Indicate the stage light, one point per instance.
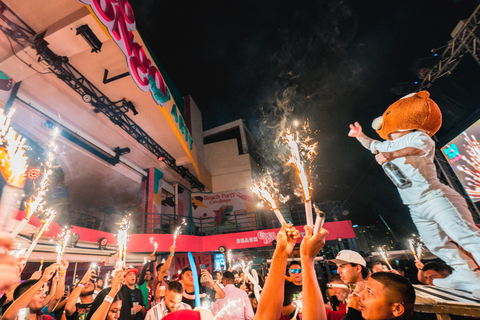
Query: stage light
point(160, 158)
point(90, 37)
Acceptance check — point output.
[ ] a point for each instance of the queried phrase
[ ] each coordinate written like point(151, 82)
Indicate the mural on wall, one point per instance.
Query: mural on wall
point(217, 211)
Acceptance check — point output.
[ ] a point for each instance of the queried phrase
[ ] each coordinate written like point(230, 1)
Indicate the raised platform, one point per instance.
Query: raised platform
point(445, 302)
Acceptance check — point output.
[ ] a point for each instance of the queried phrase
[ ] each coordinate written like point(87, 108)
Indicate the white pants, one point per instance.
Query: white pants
point(447, 218)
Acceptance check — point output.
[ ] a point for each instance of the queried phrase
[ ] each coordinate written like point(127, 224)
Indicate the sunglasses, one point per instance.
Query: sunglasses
point(293, 271)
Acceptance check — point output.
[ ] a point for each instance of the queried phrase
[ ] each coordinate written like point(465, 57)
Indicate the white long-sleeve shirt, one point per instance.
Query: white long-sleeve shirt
point(240, 307)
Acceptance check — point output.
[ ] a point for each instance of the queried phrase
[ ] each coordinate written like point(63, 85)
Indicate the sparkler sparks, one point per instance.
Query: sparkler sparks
point(229, 257)
point(384, 257)
point(411, 244)
point(472, 171)
point(122, 241)
point(155, 245)
point(62, 243)
point(265, 190)
point(178, 231)
point(226, 309)
point(308, 151)
point(50, 214)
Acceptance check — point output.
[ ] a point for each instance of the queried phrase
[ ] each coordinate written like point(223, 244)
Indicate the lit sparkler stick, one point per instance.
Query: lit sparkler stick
point(46, 223)
point(261, 190)
point(419, 250)
point(229, 257)
point(299, 304)
point(37, 203)
point(177, 231)
point(411, 243)
point(122, 240)
point(296, 161)
point(13, 164)
point(62, 243)
point(41, 264)
point(155, 245)
point(320, 219)
point(385, 258)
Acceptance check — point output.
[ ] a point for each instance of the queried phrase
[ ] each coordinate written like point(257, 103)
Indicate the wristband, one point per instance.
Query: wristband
point(62, 273)
point(108, 299)
point(171, 254)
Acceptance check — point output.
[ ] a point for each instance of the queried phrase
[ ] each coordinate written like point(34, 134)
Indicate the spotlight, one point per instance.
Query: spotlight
point(90, 37)
point(160, 158)
point(33, 174)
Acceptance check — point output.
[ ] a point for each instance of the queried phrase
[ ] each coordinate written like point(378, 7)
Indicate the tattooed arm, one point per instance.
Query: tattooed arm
point(356, 132)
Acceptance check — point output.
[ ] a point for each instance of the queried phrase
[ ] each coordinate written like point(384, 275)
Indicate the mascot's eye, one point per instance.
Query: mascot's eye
point(388, 112)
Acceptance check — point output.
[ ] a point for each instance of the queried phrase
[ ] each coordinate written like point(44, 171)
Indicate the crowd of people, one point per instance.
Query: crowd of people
point(289, 291)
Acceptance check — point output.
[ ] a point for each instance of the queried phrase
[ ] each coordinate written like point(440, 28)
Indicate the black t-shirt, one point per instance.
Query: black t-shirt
point(207, 295)
point(81, 311)
point(291, 290)
point(129, 297)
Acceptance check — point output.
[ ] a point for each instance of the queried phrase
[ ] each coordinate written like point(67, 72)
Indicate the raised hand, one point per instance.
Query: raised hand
point(312, 244)
point(286, 238)
point(172, 249)
point(355, 130)
point(49, 272)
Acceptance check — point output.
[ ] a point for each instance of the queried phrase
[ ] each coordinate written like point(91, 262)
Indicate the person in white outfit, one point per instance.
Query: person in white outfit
point(236, 304)
point(439, 213)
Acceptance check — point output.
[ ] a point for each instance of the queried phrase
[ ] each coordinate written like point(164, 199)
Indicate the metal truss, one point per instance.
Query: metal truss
point(115, 111)
point(464, 40)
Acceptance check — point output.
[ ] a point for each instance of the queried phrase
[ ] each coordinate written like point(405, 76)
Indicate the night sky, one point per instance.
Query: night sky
point(333, 62)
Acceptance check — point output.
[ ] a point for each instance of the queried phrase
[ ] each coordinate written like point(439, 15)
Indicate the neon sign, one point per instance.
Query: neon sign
point(118, 17)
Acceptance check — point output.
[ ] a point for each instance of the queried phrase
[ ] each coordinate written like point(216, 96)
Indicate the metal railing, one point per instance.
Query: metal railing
point(162, 223)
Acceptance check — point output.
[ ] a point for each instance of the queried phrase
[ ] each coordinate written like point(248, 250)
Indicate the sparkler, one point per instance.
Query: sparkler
point(46, 223)
point(229, 257)
point(411, 244)
point(155, 245)
point(472, 172)
point(299, 304)
point(41, 265)
point(122, 240)
point(295, 160)
point(13, 165)
point(264, 190)
point(177, 231)
point(37, 203)
point(320, 219)
point(419, 249)
point(62, 243)
point(385, 258)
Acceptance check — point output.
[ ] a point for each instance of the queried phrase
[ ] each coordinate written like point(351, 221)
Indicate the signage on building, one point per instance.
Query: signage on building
point(119, 19)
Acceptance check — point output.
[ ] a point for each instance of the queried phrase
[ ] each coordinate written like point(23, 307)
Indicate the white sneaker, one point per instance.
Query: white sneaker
point(463, 280)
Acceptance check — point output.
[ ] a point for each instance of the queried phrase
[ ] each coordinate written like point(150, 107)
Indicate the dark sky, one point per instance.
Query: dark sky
point(332, 61)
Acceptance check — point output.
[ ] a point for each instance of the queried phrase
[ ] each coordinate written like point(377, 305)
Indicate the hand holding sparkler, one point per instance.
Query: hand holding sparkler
point(172, 250)
point(287, 238)
point(36, 275)
point(320, 219)
point(49, 272)
point(41, 265)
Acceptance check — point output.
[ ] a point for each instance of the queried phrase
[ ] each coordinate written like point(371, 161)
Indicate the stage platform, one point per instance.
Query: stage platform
point(446, 302)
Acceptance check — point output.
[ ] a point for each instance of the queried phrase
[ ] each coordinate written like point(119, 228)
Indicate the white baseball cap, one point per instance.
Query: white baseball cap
point(348, 256)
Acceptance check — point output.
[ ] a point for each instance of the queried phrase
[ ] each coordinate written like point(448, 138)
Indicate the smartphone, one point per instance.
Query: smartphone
point(202, 266)
point(94, 267)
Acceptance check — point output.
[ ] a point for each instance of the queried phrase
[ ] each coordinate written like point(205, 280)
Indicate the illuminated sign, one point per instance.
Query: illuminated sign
point(118, 17)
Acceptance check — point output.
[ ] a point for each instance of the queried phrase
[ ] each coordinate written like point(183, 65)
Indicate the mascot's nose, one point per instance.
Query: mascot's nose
point(377, 123)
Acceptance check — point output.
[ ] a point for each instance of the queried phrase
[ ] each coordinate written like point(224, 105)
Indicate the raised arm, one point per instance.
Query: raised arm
point(24, 299)
point(72, 299)
point(313, 306)
point(356, 132)
point(271, 299)
point(102, 311)
point(219, 293)
point(62, 270)
point(420, 274)
point(383, 157)
point(164, 269)
point(50, 299)
point(147, 265)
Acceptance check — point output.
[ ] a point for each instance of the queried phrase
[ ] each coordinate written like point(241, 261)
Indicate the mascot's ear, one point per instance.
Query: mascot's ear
point(423, 94)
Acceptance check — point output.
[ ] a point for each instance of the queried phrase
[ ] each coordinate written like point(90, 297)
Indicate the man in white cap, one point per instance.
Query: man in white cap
point(351, 267)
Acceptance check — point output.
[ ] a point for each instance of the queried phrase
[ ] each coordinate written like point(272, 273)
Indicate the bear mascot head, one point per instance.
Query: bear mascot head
point(415, 111)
